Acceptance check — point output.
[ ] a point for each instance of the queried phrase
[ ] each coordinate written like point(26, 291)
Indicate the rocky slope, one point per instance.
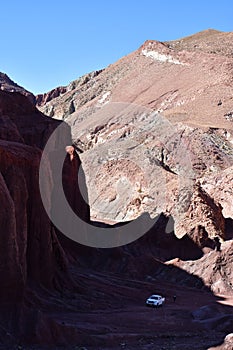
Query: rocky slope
point(148, 77)
point(6, 84)
point(31, 254)
point(209, 41)
point(155, 131)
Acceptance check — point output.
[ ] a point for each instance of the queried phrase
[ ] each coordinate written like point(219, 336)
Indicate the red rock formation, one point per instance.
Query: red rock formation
point(6, 84)
point(44, 98)
point(30, 250)
point(37, 254)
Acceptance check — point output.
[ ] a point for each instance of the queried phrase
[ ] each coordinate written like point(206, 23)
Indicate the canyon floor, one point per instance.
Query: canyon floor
point(112, 314)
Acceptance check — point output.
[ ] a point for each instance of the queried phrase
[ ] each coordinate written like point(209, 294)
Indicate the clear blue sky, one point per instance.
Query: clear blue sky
point(49, 43)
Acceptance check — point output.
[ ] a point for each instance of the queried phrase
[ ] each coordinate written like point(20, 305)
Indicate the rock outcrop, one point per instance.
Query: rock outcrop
point(30, 249)
point(6, 84)
point(44, 98)
point(214, 268)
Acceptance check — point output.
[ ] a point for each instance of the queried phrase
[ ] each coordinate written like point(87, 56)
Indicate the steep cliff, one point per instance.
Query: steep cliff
point(30, 250)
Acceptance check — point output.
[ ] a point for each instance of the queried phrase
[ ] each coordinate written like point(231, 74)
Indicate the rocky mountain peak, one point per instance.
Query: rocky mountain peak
point(6, 84)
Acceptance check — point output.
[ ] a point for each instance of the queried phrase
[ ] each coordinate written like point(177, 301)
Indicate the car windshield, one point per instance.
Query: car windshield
point(154, 297)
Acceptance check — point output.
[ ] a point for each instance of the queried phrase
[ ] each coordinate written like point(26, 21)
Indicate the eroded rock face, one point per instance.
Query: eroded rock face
point(152, 127)
point(33, 239)
point(214, 268)
point(6, 84)
point(227, 345)
point(219, 187)
point(44, 98)
point(49, 102)
point(204, 219)
point(30, 250)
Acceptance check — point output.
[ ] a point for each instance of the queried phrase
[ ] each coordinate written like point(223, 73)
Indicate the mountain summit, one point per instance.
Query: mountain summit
point(209, 41)
point(185, 79)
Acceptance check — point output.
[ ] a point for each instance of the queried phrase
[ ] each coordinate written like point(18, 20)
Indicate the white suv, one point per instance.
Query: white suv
point(155, 300)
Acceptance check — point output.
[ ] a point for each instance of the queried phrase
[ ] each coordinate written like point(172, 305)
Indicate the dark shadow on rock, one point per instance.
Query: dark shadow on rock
point(129, 274)
point(163, 246)
point(229, 228)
